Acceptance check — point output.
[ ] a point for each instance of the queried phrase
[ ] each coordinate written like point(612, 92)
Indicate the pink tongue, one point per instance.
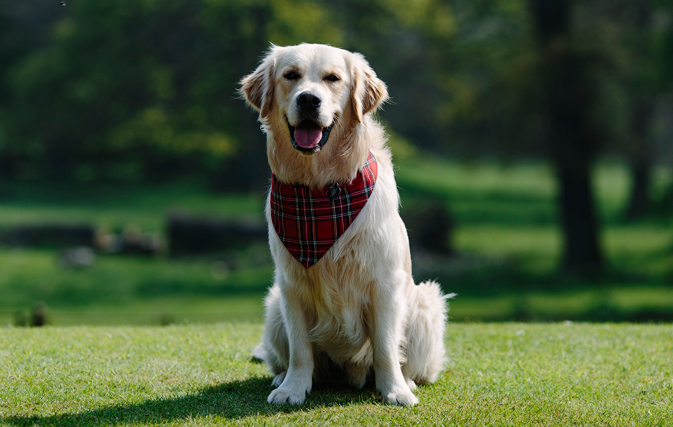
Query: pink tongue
point(307, 135)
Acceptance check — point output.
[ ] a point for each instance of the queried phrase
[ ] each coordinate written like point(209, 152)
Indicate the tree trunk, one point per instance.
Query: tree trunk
point(639, 201)
point(582, 253)
point(640, 160)
point(568, 99)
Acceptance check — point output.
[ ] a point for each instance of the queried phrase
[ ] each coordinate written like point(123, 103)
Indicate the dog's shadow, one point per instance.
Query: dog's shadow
point(232, 400)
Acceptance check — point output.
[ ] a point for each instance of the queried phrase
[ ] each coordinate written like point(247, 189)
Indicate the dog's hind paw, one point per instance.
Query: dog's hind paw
point(278, 379)
point(284, 396)
point(357, 376)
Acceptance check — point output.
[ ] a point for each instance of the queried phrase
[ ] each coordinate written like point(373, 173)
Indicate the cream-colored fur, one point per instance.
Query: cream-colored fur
point(357, 309)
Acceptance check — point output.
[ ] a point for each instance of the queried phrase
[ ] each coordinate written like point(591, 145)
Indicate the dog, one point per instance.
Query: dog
point(343, 303)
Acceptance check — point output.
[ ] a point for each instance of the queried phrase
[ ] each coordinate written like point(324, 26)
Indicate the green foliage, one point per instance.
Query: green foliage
point(128, 90)
point(137, 89)
point(499, 374)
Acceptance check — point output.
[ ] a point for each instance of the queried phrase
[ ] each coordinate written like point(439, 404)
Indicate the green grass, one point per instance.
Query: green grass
point(499, 375)
point(509, 213)
point(507, 238)
point(516, 193)
point(114, 207)
point(131, 290)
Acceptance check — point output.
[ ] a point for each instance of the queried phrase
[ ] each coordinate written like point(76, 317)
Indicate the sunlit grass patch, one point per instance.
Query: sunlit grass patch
point(562, 374)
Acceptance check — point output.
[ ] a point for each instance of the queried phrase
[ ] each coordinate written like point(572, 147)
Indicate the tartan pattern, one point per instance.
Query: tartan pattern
point(309, 221)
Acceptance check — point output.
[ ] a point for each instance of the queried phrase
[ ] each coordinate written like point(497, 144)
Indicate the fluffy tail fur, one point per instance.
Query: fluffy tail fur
point(428, 309)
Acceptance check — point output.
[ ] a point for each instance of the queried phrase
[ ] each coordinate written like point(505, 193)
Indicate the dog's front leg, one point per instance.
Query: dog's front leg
point(299, 376)
point(388, 314)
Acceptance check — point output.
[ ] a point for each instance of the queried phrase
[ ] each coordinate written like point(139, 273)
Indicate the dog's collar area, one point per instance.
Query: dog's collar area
point(334, 192)
point(309, 221)
point(325, 136)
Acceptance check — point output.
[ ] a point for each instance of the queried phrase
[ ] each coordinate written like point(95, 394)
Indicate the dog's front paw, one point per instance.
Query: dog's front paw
point(284, 396)
point(400, 398)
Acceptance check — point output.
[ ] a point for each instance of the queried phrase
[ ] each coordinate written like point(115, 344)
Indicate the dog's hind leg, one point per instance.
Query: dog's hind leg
point(274, 349)
point(356, 374)
point(425, 333)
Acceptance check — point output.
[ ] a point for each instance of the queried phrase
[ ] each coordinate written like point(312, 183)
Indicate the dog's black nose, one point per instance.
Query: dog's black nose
point(309, 101)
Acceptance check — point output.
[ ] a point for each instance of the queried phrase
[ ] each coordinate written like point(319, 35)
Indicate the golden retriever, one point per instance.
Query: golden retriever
point(354, 310)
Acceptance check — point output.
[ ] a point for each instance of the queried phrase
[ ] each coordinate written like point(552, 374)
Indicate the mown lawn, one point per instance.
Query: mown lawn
point(509, 374)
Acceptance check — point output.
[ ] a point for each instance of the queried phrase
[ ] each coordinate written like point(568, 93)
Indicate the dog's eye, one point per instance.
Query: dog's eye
point(332, 78)
point(292, 75)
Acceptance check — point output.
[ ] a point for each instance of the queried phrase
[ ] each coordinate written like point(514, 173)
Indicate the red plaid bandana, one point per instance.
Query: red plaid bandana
point(308, 222)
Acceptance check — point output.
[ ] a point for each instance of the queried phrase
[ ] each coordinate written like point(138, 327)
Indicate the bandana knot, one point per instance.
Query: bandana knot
point(309, 221)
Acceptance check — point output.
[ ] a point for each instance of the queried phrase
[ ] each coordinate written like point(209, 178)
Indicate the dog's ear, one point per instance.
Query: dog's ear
point(368, 92)
point(257, 87)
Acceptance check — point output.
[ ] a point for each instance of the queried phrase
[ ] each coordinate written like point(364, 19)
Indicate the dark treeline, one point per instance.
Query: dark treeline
point(135, 91)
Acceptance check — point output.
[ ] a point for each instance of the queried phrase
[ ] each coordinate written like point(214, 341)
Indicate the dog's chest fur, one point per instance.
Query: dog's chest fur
point(336, 292)
point(336, 297)
point(337, 307)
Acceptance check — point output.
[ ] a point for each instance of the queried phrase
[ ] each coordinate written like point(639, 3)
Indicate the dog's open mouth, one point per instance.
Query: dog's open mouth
point(308, 137)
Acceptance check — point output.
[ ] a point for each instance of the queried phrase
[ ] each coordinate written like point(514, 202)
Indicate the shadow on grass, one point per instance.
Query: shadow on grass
point(234, 400)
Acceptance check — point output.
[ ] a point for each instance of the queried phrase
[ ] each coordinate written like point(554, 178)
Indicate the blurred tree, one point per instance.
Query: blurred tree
point(648, 80)
point(642, 110)
point(569, 98)
point(483, 76)
point(129, 90)
point(24, 27)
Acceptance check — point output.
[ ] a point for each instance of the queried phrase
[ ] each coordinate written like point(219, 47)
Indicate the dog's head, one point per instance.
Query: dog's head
point(306, 93)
